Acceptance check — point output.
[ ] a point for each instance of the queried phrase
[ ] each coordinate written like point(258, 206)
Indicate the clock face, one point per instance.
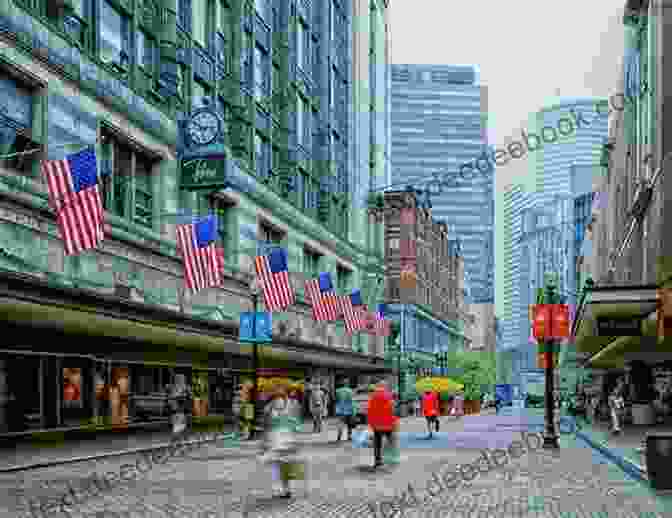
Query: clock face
point(203, 128)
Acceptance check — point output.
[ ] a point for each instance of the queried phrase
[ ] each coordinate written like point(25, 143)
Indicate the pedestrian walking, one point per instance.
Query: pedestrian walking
point(382, 421)
point(616, 406)
point(280, 448)
point(345, 410)
point(317, 404)
point(430, 409)
point(180, 401)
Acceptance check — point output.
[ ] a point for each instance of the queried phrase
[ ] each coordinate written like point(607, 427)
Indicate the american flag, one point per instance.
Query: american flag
point(203, 260)
point(354, 314)
point(73, 192)
point(382, 326)
point(320, 294)
point(274, 279)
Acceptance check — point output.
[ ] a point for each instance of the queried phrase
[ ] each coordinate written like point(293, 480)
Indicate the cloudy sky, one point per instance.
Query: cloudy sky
point(528, 51)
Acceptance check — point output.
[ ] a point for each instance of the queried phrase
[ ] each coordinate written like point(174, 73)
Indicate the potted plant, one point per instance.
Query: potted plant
point(199, 387)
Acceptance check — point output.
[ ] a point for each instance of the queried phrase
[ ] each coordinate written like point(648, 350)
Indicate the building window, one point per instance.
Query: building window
point(184, 15)
point(394, 243)
point(343, 277)
point(303, 46)
point(262, 149)
point(145, 51)
point(270, 235)
point(262, 72)
point(300, 122)
point(115, 37)
point(127, 180)
point(311, 263)
point(16, 122)
point(261, 7)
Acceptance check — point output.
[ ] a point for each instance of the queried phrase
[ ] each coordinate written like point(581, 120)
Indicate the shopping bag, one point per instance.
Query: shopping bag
point(179, 423)
point(360, 439)
point(293, 470)
point(391, 454)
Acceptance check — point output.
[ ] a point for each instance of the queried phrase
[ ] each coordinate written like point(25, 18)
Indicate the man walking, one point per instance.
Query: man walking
point(345, 410)
point(382, 421)
point(430, 409)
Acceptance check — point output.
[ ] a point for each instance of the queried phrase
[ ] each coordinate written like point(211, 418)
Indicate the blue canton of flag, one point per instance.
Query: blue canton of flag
point(206, 231)
point(356, 298)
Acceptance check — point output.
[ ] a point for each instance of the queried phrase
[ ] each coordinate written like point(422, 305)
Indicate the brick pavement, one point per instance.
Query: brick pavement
point(218, 482)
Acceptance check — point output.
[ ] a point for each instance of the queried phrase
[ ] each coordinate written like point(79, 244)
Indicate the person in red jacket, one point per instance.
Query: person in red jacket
point(382, 420)
point(430, 409)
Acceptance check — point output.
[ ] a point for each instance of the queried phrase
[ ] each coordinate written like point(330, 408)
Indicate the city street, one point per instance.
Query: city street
point(216, 481)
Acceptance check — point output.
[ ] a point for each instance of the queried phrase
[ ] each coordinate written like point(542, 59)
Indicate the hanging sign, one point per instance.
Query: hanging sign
point(204, 173)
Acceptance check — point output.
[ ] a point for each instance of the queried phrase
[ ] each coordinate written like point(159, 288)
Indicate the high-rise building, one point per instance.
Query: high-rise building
point(239, 109)
point(439, 124)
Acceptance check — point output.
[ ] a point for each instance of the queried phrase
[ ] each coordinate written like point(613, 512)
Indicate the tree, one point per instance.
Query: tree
point(478, 370)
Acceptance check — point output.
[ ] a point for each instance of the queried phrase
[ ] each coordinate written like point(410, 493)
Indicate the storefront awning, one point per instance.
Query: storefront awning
point(31, 302)
point(620, 303)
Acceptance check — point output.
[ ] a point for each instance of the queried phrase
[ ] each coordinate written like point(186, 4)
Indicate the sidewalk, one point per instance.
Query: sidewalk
point(39, 453)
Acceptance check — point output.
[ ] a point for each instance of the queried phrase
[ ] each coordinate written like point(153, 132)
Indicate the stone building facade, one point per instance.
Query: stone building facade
point(126, 77)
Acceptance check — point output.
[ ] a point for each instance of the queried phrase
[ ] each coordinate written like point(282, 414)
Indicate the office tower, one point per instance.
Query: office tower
point(438, 124)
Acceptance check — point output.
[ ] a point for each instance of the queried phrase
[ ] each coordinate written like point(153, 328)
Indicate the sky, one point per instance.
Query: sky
point(529, 52)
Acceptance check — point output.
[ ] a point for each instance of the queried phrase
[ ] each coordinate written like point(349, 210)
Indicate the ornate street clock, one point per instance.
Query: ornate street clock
point(204, 127)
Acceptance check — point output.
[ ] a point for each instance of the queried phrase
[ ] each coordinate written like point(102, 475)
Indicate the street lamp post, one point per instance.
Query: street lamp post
point(254, 291)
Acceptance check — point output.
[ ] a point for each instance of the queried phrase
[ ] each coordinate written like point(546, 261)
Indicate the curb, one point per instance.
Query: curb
point(120, 453)
point(631, 468)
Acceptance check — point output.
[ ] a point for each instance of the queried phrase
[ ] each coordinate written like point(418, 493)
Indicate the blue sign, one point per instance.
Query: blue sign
point(255, 329)
point(504, 392)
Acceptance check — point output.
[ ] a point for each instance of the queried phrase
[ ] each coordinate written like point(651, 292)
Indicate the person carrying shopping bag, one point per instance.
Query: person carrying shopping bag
point(345, 410)
point(317, 405)
point(280, 447)
point(430, 409)
point(382, 420)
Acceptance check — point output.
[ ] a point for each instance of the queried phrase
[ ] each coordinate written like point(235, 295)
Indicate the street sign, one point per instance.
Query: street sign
point(255, 329)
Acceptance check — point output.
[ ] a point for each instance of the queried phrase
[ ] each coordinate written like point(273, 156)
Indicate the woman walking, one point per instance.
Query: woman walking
point(280, 446)
point(345, 410)
point(430, 409)
point(616, 406)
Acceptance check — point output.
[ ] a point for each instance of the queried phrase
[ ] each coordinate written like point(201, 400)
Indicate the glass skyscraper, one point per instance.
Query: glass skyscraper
point(438, 124)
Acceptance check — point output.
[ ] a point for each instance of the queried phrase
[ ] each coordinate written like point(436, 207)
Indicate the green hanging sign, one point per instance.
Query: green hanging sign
point(204, 173)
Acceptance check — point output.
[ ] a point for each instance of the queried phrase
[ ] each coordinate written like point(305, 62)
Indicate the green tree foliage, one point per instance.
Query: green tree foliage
point(478, 370)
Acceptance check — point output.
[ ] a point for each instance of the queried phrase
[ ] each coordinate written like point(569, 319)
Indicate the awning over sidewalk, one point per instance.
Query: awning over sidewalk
point(36, 304)
point(612, 322)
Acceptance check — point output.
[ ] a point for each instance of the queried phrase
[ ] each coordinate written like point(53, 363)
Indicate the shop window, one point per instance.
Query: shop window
point(115, 37)
point(20, 393)
point(16, 122)
point(119, 395)
point(127, 180)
